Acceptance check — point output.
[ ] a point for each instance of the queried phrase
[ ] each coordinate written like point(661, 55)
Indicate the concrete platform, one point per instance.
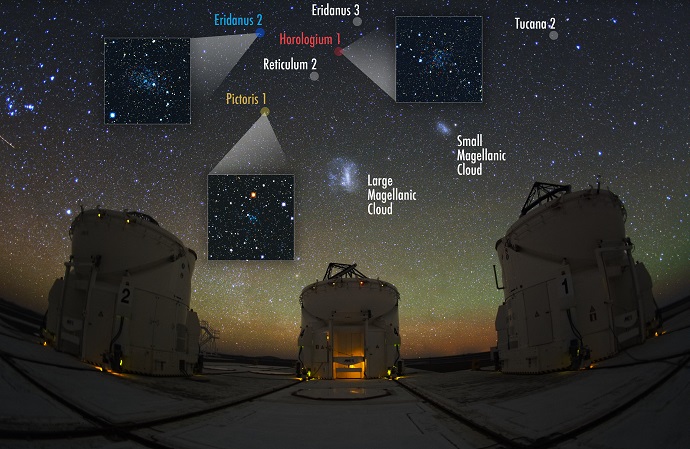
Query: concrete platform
point(44, 411)
point(527, 408)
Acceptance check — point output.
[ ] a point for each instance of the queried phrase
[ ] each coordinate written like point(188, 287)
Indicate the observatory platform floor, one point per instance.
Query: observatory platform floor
point(527, 408)
point(637, 399)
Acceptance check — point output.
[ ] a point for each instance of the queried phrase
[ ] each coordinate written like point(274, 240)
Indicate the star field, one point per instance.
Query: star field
point(250, 217)
point(609, 97)
point(147, 81)
point(438, 59)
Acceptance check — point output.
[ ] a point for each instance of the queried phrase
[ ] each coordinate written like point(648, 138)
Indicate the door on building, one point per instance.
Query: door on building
point(348, 353)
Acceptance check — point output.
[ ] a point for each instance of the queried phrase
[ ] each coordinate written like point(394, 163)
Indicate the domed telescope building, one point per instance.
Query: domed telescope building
point(573, 294)
point(349, 327)
point(123, 303)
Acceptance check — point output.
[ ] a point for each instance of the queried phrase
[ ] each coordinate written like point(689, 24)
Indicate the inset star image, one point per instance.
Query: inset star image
point(438, 59)
point(251, 217)
point(147, 81)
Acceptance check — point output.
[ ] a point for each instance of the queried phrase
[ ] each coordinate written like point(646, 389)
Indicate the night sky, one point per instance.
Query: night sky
point(608, 97)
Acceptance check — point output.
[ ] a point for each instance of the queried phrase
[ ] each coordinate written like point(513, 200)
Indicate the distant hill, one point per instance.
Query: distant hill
point(20, 317)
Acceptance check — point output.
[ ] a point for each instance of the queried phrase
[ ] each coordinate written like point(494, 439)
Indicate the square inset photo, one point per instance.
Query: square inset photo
point(251, 217)
point(147, 81)
point(438, 59)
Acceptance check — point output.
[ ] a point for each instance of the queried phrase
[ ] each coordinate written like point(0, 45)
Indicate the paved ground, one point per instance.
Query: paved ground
point(51, 400)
